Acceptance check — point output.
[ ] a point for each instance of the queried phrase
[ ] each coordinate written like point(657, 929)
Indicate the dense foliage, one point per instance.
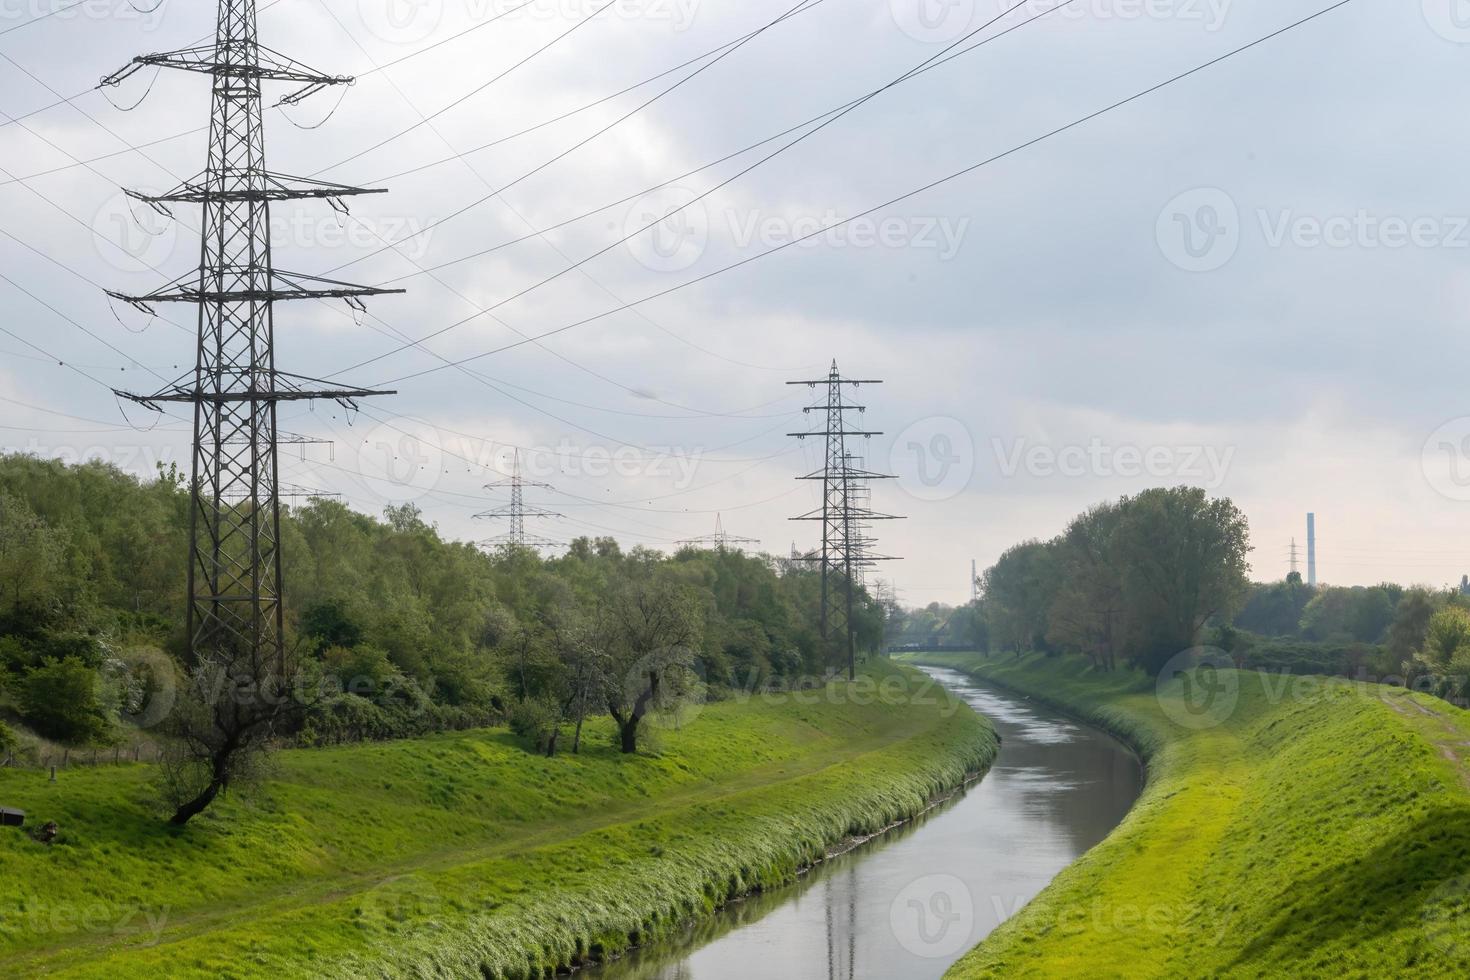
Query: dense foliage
point(394, 629)
point(1150, 576)
point(1138, 578)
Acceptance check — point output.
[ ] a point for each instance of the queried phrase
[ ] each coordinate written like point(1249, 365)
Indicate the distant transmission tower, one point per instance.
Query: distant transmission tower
point(234, 576)
point(516, 511)
point(844, 514)
point(1293, 556)
point(719, 541)
point(974, 582)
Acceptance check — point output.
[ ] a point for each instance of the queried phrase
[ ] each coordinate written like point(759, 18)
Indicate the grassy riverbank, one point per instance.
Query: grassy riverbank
point(1312, 829)
point(462, 854)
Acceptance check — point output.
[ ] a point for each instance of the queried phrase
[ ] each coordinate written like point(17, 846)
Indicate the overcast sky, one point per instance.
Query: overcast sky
point(1253, 280)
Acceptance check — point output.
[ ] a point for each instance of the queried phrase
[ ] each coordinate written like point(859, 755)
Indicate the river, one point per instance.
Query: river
point(910, 903)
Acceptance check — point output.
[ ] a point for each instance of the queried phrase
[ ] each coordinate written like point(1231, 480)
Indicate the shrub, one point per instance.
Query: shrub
point(8, 742)
point(61, 699)
point(533, 720)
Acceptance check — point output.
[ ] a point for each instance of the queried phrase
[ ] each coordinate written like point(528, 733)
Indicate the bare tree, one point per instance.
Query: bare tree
point(223, 724)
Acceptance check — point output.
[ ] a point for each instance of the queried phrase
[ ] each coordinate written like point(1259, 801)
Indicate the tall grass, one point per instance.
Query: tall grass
point(463, 854)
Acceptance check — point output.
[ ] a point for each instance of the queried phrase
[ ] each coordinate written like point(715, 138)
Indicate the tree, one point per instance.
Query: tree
point(1088, 611)
point(239, 697)
point(1275, 608)
point(1017, 593)
point(1446, 650)
point(1183, 561)
point(61, 700)
point(649, 628)
point(584, 675)
point(1410, 626)
point(32, 557)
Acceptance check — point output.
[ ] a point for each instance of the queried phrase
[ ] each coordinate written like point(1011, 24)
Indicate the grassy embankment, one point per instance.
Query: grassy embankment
point(462, 854)
point(1319, 829)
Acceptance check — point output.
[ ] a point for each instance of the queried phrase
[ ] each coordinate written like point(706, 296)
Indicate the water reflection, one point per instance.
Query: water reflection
point(910, 903)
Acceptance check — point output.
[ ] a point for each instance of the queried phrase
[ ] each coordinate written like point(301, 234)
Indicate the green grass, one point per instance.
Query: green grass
point(462, 854)
point(1320, 829)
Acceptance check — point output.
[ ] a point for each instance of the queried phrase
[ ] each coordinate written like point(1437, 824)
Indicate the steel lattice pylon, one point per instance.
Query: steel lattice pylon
point(845, 552)
point(719, 541)
point(234, 576)
point(517, 511)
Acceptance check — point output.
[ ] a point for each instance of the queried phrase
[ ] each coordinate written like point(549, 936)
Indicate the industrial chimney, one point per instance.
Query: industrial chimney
point(1312, 549)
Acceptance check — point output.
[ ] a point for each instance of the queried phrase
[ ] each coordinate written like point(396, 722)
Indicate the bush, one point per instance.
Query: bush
point(533, 720)
point(348, 718)
point(8, 742)
point(1343, 658)
point(61, 699)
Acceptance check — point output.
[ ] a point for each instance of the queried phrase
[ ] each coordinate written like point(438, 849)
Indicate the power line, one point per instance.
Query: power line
point(440, 43)
point(469, 95)
point(657, 221)
point(795, 241)
point(801, 7)
point(557, 354)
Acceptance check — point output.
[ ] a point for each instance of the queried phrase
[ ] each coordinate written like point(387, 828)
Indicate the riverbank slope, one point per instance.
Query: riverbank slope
point(463, 854)
point(1290, 827)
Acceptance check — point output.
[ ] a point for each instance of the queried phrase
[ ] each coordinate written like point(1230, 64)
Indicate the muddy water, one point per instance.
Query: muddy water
point(913, 901)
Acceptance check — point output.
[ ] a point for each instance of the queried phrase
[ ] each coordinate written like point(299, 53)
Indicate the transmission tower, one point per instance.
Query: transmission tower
point(234, 575)
point(1293, 556)
point(719, 541)
point(844, 514)
point(516, 511)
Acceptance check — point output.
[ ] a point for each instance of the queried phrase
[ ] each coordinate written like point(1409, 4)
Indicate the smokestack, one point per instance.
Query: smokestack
point(1311, 549)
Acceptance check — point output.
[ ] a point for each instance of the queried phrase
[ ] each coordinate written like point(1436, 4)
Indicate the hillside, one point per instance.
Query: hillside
point(1313, 829)
point(435, 855)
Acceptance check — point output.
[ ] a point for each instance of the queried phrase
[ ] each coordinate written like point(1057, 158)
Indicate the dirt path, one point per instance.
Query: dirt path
point(1452, 741)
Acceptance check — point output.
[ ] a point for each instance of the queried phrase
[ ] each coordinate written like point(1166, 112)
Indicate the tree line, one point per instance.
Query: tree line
point(1142, 578)
point(392, 630)
point(1134, 580)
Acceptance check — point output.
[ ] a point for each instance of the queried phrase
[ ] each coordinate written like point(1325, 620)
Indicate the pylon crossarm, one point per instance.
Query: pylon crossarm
point(254, 393)
point(843, 432)
point(261, 63)
point(283, 286)
point(273, 187)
